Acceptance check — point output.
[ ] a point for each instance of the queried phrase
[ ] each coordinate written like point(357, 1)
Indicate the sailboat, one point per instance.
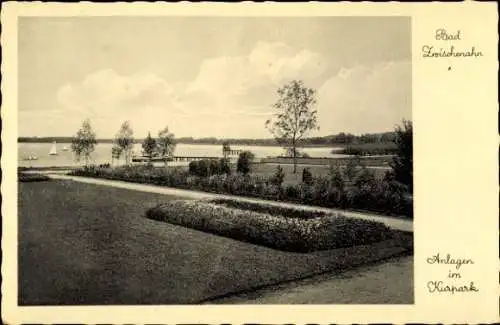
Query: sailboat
point(53, 150)
point(65, 148)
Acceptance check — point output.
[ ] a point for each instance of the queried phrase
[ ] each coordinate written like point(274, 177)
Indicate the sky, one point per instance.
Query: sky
point(209, 76)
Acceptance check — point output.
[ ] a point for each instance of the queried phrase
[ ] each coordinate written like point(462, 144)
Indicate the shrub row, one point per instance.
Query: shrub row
point(24, 177)
point(175, 177)
point(363, 192)
point(207, 167)
point(367, 151)
point(274, 231)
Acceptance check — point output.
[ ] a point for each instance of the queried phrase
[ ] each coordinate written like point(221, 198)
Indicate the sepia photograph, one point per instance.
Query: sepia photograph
point(249, 163)
point(215, 160)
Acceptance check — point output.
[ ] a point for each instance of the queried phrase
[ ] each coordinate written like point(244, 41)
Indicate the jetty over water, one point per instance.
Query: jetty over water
point(174, 158)
point(227, 152)
point(192, 158)
point(231, 152)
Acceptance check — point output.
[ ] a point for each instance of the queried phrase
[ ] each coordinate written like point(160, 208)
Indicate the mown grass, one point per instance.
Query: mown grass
point(83, 244)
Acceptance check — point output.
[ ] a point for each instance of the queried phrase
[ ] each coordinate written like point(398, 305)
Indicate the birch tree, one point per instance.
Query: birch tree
point(294, 116)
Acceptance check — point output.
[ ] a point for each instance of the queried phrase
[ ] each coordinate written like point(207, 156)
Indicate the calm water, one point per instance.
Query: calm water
point(102, 153)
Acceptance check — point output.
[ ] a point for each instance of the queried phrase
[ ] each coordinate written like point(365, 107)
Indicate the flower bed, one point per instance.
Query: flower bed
point(274, 231)
point(270, 209)
point(24, 177)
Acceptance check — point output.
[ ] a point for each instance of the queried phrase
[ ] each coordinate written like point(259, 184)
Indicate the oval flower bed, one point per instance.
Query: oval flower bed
point(329, 231)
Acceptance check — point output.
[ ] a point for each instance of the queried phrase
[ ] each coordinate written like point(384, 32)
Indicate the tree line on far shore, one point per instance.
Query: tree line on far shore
point(339, 139)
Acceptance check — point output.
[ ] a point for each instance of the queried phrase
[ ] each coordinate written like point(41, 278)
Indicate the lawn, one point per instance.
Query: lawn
point(267, 170)
point(367, 149)
point(90, 244)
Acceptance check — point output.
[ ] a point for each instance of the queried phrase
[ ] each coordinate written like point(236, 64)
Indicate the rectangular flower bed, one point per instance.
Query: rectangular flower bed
point(328, 231)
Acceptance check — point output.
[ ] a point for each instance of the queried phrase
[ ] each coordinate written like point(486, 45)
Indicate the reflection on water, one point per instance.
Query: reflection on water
point(102, 153)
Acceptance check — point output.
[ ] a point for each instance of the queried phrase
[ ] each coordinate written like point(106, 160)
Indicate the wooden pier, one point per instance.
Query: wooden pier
point(231, 152)
point(192, 158)
point(174, 158)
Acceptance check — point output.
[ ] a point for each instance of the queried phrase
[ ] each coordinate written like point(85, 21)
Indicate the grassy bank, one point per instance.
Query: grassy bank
point(354, 188)
point(91, 245)
point(382, 161)
point(369, 149)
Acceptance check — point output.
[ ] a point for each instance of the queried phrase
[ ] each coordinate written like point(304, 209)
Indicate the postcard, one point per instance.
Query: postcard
point(186, 163)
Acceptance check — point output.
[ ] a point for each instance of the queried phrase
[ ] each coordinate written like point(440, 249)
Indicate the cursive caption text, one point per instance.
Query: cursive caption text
point(454, 281)
point(449, 49)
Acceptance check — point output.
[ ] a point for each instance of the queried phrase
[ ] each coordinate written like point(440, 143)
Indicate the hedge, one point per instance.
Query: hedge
point(24, 177)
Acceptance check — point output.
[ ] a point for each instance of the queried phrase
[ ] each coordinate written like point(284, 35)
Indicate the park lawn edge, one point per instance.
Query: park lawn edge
point(358, 256)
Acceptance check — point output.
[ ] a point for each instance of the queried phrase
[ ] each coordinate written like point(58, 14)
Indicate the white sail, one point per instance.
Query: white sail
point(53, 150)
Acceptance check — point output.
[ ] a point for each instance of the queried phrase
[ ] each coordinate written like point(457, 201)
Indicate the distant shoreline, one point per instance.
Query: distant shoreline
point(339, 146)
point(340, 140)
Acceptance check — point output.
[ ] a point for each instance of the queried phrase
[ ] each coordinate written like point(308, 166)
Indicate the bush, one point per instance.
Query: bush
point(244, 163)
point(278, 176)
point(336, 178)
point(271, 229)
point(307, 176)
point(224, 166)
point(352, 169)
point(208, 167)
point(402, 164)
point(291, 193)
point(25, 177)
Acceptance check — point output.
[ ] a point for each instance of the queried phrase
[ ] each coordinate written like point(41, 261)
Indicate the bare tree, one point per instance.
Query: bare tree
point(294, 116)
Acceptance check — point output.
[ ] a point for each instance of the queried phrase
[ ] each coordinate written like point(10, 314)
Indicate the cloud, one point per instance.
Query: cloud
point(108, 99)
point(226, 88)
point(105, 93)
point(248, 83)
point(366, 99)
point(232, 95)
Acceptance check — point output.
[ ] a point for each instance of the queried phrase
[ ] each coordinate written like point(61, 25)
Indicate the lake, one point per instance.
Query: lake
point(102, 153)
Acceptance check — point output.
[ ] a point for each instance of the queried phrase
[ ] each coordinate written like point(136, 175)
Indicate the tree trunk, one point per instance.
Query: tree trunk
point(294, 159)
